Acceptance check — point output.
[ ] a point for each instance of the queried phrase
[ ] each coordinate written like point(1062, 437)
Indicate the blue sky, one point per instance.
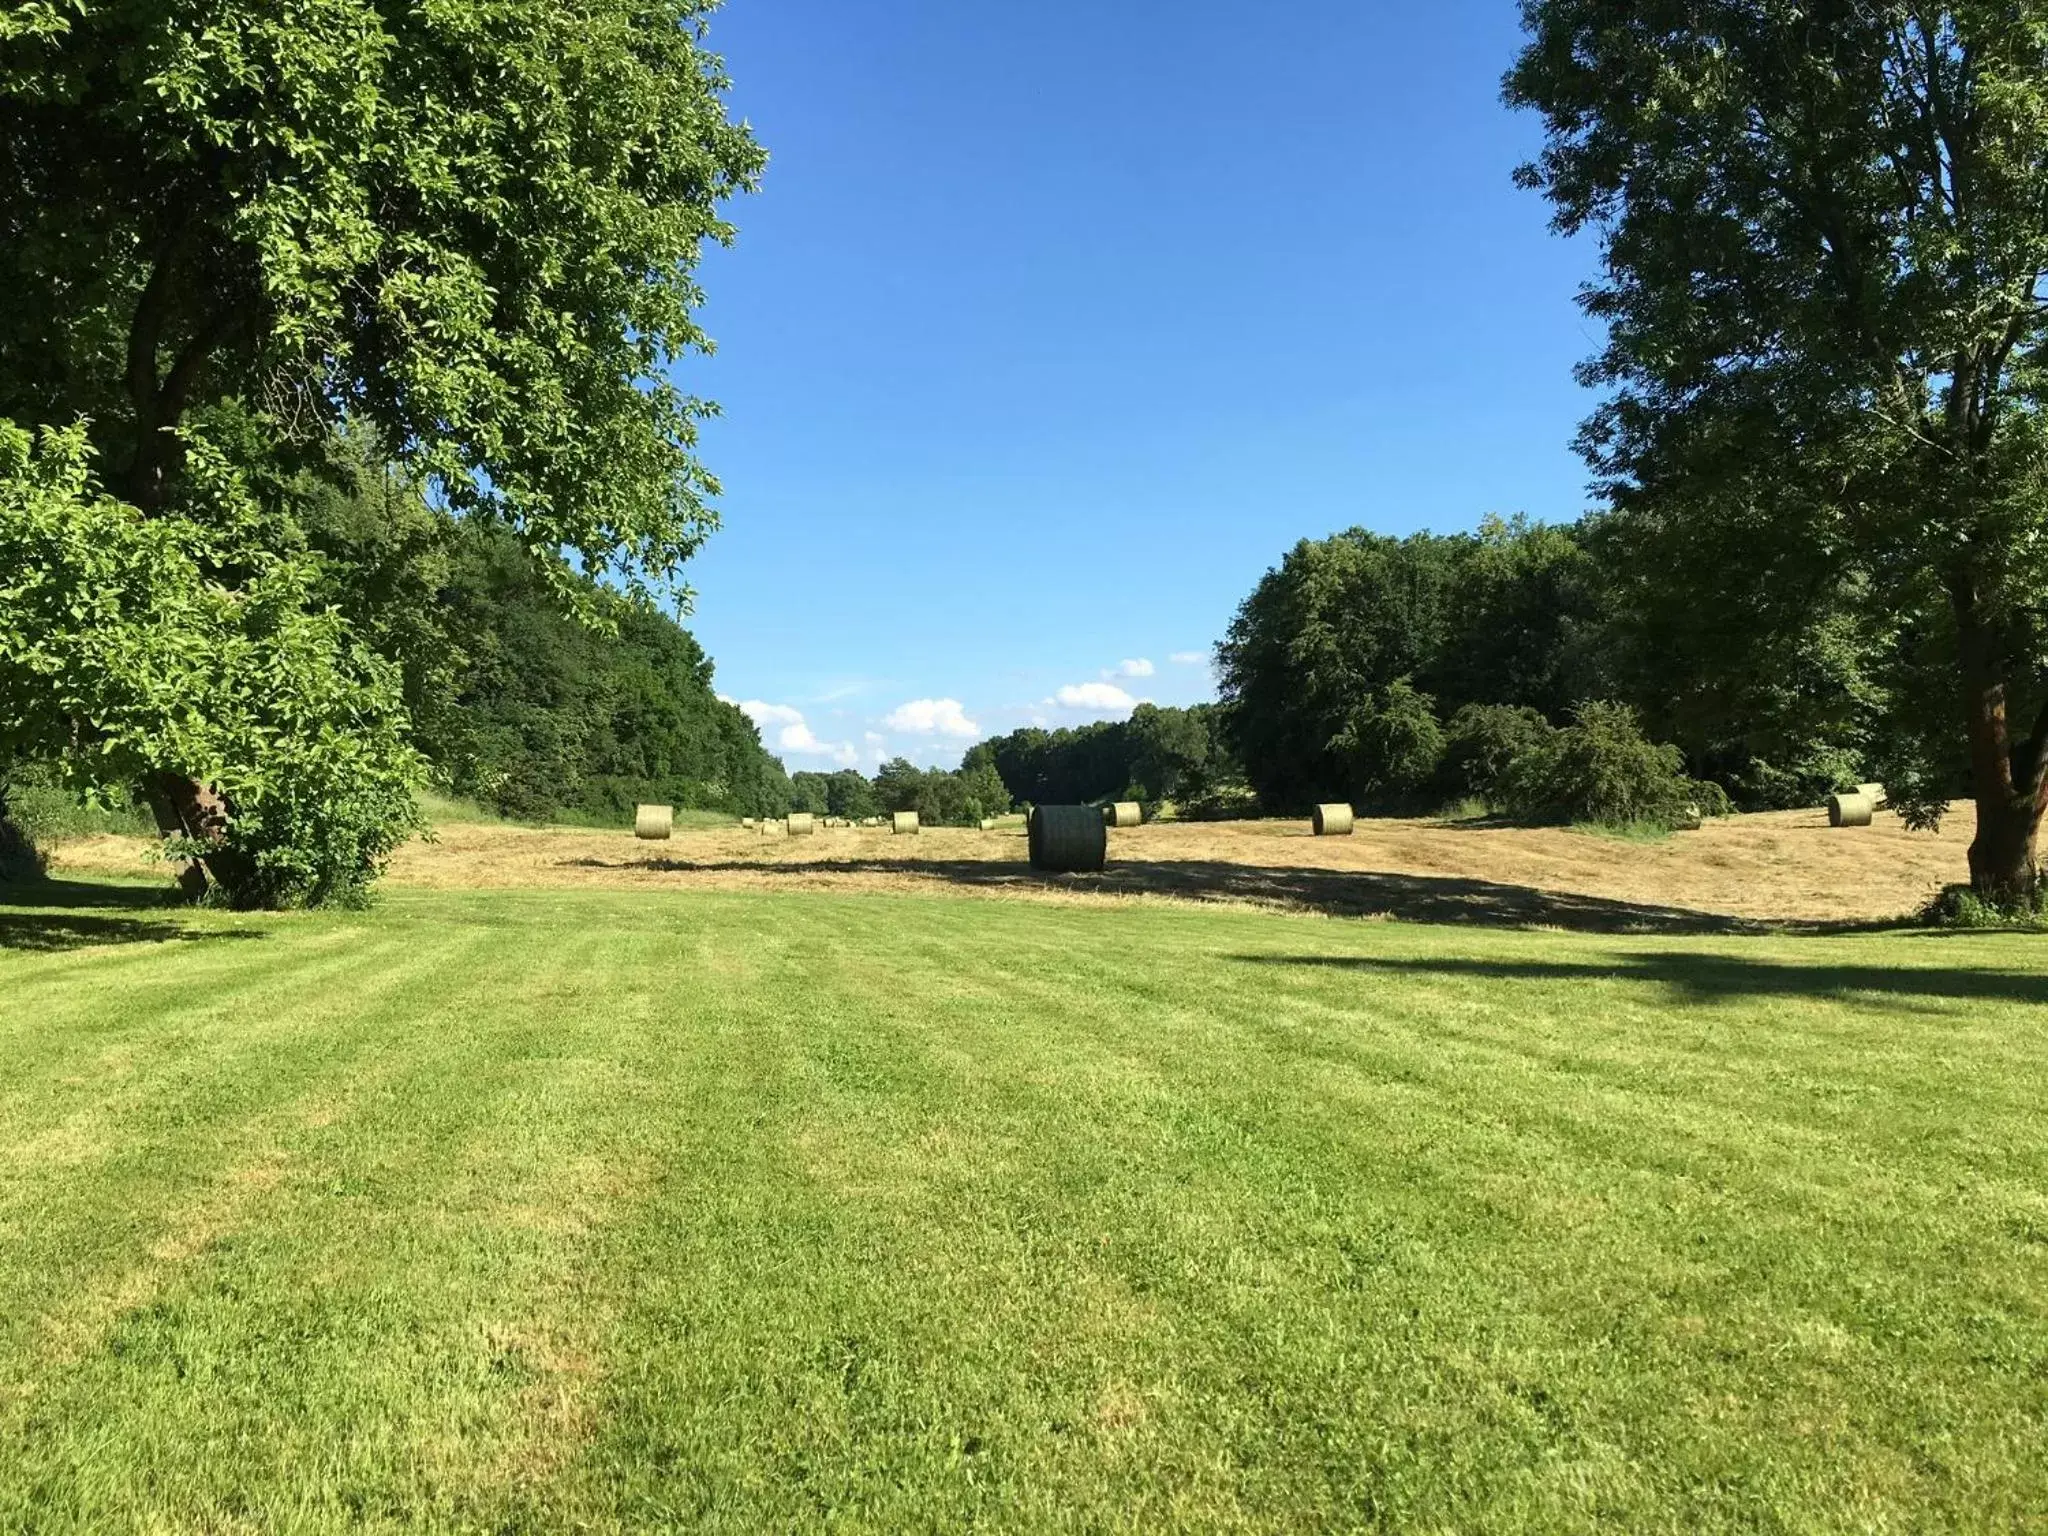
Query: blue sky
point(1052, 329)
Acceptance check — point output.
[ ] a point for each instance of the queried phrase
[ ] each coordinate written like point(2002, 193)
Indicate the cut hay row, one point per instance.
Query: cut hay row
point(653, 822)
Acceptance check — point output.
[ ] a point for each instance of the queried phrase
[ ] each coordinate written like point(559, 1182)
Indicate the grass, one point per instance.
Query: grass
point(48, 814)
point(1625, 831)
point(1467, 808)
point(609, 1210)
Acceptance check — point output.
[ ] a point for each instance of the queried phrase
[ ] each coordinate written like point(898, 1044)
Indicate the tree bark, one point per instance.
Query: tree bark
point(2002, 863)
point(2007, 783)
point(183, 807)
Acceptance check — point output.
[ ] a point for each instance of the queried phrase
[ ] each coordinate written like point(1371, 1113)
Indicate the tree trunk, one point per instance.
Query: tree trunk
point(2002, 867)
point(2007, 784)
point(185, 808)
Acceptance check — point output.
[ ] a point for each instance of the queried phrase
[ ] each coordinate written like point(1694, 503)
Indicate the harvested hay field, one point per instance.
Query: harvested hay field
point(1784, 867)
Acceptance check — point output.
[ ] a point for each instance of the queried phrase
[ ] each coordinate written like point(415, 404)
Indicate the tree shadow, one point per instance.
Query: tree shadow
point(1335, 893)
point(72, 895)
point(43, 916)
point(1708, 977)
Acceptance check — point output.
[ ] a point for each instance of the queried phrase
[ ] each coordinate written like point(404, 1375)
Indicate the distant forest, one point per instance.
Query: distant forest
point(1523, 669)
point(1399, 674)
point(516, 701)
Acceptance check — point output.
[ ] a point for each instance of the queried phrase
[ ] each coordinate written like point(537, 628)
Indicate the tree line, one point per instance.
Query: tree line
point(1402, 674)
point(942, 797)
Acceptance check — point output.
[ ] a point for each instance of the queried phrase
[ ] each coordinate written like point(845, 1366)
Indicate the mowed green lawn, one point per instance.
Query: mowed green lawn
point(618, 1211)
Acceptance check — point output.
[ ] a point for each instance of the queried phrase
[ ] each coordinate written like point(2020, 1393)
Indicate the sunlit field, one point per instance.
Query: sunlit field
point(755, 1208)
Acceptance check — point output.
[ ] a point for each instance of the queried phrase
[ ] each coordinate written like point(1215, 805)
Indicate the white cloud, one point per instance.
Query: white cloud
point(932, 717)
point(762, 713)
point(793, 735)
point(1101, 698)
point(1188, 658)
point(1131, 666)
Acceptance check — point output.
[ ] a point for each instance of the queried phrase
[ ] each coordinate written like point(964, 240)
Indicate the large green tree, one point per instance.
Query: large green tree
point(1334, 664)
point(467, 229)
point(1824, 232)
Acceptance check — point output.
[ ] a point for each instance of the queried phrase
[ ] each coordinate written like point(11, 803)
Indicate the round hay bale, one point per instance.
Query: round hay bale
point(988, 824)
point(653, 822)
point(1068, 839)
point(1849, 810)
point(802, 824)
point(746, 823)
point(1333, 820)
point(1124, 813)
point(1688, 819)
point(904, 821)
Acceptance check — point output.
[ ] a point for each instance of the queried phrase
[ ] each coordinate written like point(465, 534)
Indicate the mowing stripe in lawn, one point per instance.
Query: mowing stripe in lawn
point(611, 1210)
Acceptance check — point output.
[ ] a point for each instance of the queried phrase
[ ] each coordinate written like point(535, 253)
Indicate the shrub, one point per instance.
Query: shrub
point(129, 655)
point(45, 812)
point(1220, 802)
point(20, 858)
point(1391, 744)
point(1711, 798)
point(1602, 769)
point(1958, 906)
point(1483, 742)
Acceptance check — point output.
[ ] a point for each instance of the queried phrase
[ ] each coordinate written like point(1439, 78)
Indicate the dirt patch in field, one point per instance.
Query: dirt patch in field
point(1781, 867)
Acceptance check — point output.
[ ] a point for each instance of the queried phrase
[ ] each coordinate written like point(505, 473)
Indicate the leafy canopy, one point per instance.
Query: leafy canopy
point(469, 227)
point(1824, 251)
point(236, 232)
point(1335, 664)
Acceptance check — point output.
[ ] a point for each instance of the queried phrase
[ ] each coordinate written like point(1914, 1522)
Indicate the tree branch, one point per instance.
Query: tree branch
point(2028, 759)
point(146, 330)
point(185, 369)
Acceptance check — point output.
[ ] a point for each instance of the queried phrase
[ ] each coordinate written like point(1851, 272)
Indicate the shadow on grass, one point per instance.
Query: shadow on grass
point(1337, 893)
point(1707, 976)
point(48, 915)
